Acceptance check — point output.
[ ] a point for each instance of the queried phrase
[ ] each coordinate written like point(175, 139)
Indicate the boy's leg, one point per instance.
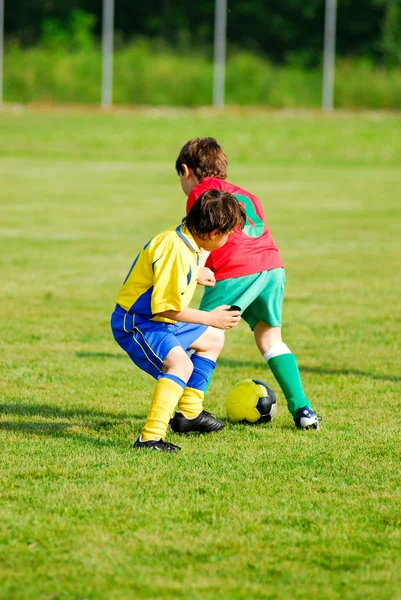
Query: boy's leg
point(264, 316)
point(207, 349)
point(190, 415)
point(168, 390)
point(154, 348)
point(283, 365)
point(191, 401)
point(166, 395)
point(240, 291)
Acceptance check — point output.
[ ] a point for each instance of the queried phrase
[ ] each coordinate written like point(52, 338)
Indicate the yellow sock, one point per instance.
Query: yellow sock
point(191, 402)
point(164, 400)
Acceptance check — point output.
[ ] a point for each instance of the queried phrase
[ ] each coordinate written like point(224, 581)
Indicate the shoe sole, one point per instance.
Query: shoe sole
point(189, 431)
point(171, 451)
point(313, 425)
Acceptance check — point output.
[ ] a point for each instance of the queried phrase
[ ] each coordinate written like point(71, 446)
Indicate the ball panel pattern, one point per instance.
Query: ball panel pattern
point(251, 401)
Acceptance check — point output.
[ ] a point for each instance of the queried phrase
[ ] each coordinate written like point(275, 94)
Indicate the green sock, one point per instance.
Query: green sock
point(286, 372)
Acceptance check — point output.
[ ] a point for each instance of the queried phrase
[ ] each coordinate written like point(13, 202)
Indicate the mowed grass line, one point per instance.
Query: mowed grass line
point(252, 512)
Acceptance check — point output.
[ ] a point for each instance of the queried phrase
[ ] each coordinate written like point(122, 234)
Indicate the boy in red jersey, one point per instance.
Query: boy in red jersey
point(246, 272)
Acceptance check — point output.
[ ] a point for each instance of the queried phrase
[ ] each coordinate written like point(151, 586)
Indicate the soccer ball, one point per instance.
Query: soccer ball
point(251, 401)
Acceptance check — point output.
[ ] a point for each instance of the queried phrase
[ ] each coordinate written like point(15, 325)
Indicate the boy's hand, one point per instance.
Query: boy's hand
point(206, 277)
point(223, 318)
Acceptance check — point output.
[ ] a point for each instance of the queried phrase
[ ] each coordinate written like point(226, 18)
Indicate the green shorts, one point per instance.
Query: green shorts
point(259, 296)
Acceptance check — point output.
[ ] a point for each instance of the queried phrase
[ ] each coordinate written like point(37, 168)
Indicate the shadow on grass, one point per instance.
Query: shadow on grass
point(58, 430)
point(48, 410)
point(99, 355)
point(97, 422)
point(321, 371)
point(226, 362)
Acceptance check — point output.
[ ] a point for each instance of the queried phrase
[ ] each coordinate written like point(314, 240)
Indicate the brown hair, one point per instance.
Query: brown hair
point(215, 209)
point(205, 157)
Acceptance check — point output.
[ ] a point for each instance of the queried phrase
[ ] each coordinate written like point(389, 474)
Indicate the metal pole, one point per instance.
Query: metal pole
point(1, 48)
point(329, 54)
point(220, 33)
point(107, 52)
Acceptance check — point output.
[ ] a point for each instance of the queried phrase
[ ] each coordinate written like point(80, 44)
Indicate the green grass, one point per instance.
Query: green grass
point(252, 513)
point(146, 73)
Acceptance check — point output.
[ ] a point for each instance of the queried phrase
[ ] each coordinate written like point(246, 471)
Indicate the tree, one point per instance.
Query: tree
point(284, 31)
point(390, 40)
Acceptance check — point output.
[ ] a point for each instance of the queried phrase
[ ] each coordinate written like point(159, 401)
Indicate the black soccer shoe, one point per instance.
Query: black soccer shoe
point(157, 445)
point(203, 423)
point(306, 418)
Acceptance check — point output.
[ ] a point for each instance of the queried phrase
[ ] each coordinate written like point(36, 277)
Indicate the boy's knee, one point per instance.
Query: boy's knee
point(178, 363)
point(185, 365)
point(188, 368)
point(216, 339)
point(210, 344)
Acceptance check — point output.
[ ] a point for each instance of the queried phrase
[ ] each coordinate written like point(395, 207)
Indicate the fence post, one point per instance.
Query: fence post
point(1, 48)
point(220, 32)
point(329, 54)
point(107, 52)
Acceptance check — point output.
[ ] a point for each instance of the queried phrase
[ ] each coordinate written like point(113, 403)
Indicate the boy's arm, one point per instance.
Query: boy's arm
point(219, 317)
point(204, 256)
point(206, 276)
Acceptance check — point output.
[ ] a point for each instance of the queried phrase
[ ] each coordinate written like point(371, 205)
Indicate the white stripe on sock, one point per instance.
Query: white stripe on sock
point(276, 350)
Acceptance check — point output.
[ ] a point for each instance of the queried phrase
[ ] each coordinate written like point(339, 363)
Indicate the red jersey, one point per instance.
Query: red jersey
point(246, 252)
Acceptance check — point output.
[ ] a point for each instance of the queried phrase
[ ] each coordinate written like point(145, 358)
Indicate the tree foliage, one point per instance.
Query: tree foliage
point(287, 32)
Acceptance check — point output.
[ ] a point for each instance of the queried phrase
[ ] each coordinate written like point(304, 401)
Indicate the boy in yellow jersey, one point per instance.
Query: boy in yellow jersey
point(154, 325)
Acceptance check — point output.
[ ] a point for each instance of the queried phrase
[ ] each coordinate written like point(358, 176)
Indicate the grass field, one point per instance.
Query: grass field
point(250, 513)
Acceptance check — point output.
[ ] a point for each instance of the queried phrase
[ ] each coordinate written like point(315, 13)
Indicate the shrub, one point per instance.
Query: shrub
point(148, 73)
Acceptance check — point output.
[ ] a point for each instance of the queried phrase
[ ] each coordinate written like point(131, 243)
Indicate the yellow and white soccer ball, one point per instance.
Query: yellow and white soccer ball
point(251, 401)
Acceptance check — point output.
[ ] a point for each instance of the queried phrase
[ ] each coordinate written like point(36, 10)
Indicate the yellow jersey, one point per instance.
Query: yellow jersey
point(163, 276)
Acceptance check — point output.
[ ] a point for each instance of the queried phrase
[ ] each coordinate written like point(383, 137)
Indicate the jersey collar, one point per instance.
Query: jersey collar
point(184, 233)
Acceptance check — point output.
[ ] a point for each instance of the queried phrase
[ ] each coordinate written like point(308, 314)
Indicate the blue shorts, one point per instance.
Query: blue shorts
point(147, 343)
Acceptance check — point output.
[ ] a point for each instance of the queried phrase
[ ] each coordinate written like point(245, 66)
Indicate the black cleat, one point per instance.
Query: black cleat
point(157, 445)
point(203, 423)
point(306, 418)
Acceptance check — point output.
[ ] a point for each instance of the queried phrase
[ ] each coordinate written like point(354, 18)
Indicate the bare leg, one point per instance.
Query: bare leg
point(178, 363)
point(266, 336)
point(209, 344)
point(207, 349)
